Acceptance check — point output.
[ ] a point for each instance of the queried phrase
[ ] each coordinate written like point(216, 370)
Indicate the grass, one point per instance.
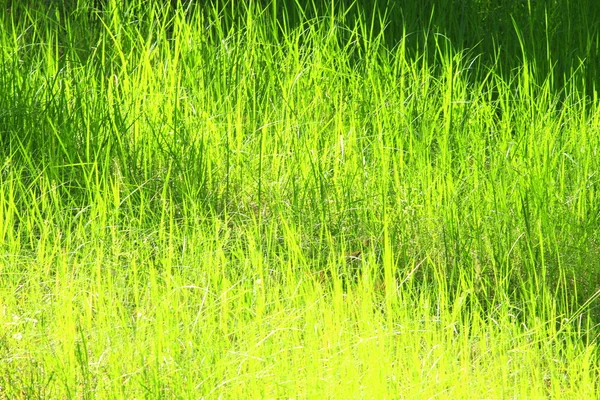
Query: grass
point(202, 202)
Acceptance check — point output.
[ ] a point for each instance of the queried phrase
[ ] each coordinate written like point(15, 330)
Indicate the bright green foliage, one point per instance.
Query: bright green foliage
point(181, 190)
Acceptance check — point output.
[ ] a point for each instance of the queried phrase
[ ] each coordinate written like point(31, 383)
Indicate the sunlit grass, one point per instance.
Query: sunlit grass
point(195, 206)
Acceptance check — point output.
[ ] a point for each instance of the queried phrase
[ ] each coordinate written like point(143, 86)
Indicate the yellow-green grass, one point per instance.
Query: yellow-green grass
point(195, 204)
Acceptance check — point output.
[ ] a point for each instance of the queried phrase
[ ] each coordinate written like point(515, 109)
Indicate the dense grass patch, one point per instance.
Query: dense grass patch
point(268, 201)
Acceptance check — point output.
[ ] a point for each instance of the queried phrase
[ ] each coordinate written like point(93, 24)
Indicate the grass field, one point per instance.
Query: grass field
point(267, 202)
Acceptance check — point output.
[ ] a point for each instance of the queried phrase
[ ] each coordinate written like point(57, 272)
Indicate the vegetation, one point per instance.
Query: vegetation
point(259, 200)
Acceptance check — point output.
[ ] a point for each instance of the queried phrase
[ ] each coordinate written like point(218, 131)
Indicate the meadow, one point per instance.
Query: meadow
point(248, 200)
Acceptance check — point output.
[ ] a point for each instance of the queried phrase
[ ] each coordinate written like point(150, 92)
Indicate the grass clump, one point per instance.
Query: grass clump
point(211, 201)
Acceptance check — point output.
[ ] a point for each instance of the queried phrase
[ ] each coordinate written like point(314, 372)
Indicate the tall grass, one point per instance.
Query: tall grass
point(250, 201)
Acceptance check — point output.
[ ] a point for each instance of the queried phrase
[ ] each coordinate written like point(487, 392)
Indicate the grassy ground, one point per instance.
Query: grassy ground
point(203, 203)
